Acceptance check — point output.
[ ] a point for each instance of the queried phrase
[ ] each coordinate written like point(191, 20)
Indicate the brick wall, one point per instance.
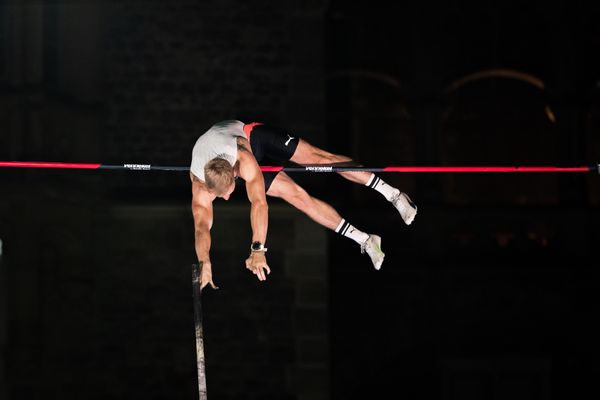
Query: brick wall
point(98, 293)
point(3, 325)
point(174, 69)
point(100, 304)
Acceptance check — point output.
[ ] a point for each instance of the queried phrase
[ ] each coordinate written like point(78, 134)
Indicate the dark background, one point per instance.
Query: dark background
point(490, 294)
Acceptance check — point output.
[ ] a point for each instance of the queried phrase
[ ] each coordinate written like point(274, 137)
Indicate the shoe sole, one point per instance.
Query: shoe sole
point(377, 240)
point(413, 206)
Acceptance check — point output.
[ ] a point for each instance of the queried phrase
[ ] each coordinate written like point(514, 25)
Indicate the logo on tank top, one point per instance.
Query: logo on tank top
point(289, 140)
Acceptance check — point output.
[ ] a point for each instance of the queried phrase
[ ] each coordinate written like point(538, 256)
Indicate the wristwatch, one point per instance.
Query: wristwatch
point(258, 246)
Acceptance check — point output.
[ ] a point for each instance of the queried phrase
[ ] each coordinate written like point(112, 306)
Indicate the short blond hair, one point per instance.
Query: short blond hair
point(218, 174)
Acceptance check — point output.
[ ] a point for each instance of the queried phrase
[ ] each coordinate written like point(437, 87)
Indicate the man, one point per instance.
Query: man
point(231, 149)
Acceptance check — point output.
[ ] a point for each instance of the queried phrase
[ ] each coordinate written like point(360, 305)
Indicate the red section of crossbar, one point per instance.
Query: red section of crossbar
point(486, 169)
point(59, 165)
point(271, 169)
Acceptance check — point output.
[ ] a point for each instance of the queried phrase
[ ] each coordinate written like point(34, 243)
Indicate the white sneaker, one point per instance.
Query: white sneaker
point(373, 248)
point(407, 209)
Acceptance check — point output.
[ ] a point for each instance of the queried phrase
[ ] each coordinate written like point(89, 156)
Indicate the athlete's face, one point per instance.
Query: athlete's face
point(225, 195)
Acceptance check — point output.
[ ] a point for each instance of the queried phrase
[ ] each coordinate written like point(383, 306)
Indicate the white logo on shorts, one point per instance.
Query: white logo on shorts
point(288, 141)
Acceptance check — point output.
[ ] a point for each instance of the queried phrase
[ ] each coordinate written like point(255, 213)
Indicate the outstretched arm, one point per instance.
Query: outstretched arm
point(259, 210)
point(203, 217)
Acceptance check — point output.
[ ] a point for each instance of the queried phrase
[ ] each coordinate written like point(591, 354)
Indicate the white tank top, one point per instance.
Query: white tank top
point(219, 141)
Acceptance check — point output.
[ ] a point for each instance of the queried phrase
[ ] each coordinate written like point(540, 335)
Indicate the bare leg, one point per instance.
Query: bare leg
point(322, 213)
point(306, 153)
point(285, 188)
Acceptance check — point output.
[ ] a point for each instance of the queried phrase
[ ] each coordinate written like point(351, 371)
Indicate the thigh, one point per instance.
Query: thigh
point(283, 186)
point(307, 153)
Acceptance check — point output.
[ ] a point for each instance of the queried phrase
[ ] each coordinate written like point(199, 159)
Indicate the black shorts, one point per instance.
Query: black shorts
point(271, 146)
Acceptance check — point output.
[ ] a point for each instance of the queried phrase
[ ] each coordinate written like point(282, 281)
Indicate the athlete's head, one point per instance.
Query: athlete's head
point(219, 176)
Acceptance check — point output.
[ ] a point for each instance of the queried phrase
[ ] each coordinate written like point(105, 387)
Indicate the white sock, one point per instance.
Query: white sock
point(378, 184)
point(345, 229)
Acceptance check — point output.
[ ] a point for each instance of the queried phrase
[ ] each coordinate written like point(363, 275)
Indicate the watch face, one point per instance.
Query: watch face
point(256, 245)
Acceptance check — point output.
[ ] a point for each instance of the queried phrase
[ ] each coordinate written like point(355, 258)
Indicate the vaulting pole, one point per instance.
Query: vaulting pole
point(197, 292)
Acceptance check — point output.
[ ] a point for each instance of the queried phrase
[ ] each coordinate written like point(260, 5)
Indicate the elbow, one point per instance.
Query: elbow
point(262, 205)
point(201, 230)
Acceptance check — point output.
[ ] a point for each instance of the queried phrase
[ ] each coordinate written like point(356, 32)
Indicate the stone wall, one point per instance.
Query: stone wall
point(174, 69)
point(3, 326)
point(101, 306)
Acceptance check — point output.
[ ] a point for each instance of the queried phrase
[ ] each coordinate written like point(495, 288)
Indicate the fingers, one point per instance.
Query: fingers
point(259, 271)
point(258, 268)
point(261, 274)
point(207, 282)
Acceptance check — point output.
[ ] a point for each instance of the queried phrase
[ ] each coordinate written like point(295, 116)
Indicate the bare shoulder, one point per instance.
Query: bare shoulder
point(243, 145)
point(245, 156)
point(201, 196)
point(202, 209)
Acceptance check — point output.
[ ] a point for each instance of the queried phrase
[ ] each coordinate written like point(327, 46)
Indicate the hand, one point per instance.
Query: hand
point(257, 263)
point(206, 276)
